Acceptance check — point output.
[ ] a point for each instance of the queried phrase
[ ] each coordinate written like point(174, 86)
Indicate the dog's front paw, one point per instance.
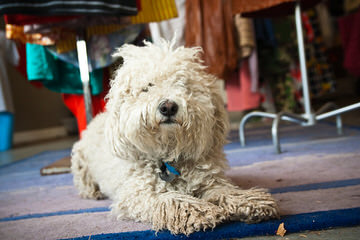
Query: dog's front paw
point(186, 216)
point(250, 206)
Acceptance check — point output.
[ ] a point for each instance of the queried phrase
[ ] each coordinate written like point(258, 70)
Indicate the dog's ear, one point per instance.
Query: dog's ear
point(119, 90)
point(221, 126)
point(114, 102)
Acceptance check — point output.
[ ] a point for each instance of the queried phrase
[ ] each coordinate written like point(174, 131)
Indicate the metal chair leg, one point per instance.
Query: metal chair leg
point(275, 126)
point(339, 125)
point(246, 118)
point(329, 106)
point(275, 133)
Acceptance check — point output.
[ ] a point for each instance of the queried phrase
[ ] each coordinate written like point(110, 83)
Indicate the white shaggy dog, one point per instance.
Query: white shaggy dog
point(157, 150)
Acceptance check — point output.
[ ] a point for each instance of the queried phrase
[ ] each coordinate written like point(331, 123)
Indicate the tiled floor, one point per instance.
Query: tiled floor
point(19, 153)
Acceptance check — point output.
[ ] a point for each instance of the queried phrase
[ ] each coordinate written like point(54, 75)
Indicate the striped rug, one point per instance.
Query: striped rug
point(316, 182)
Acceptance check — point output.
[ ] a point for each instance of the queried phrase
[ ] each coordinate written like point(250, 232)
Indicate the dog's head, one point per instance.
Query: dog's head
point(162, 103)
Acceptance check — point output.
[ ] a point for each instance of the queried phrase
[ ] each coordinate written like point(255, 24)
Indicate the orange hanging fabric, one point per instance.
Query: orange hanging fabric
point(209, 24)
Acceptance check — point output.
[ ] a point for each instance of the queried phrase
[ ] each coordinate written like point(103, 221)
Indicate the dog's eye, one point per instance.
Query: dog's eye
point(146, 89)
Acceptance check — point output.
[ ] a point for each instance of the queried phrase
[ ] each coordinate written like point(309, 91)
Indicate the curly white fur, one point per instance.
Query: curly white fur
point(120, 154)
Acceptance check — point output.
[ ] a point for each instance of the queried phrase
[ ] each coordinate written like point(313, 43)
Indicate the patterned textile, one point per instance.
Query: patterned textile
point(279, 62)
point(320, 75)
point(276, 55)
point(284, 93)
point(66, 7)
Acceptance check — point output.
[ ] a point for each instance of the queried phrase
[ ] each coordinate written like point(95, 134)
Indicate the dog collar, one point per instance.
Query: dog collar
point(168, 172)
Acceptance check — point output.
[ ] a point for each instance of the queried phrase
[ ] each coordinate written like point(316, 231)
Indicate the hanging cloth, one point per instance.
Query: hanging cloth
point(241, 6)
point(74, 7)
point(104, 34)
point(238, 88)
point(269, 8)
point(246, 41)
point(349, 27)
point(172, 28)
point(155, 11)
point(57, 75)
point(75, 103)
point(209, 24)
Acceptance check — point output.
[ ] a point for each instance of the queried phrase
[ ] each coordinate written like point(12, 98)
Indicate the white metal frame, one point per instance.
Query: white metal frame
point(84, 74)
point(309, 118)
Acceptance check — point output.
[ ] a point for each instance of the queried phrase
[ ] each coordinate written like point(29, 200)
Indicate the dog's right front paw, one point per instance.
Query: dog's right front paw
point(186, 217)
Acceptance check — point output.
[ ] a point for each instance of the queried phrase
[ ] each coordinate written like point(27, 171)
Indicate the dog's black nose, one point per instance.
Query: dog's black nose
point(168, 108)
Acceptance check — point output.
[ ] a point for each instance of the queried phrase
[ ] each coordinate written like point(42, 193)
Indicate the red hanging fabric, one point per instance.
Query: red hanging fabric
point(76, 104)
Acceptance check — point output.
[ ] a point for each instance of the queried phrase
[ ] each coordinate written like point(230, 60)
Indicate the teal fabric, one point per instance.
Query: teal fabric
point(56, 74)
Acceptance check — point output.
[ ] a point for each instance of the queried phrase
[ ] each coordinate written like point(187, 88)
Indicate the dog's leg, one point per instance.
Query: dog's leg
point(176, 212)
point(250, 206)
point(83, 180)
point(185, 214)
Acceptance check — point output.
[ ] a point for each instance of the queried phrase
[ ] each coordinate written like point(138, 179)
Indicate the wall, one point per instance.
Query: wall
point(35, 108)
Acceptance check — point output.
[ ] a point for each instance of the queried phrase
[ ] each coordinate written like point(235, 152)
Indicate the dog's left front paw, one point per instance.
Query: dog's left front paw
point(250, 206)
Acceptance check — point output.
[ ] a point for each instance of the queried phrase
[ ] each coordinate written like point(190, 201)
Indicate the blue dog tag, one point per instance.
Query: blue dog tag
point(168, 172)
point(171, 169)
